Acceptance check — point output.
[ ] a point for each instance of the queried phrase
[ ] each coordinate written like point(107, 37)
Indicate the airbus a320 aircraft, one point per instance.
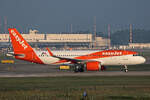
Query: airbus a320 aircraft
point(81, 60)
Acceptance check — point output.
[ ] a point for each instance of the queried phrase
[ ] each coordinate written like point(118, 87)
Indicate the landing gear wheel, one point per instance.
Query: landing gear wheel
point(81, 70)
point(78, 68)
point(125, 68)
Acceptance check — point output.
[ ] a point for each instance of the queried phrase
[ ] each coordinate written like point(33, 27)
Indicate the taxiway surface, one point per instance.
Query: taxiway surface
point(36, 70)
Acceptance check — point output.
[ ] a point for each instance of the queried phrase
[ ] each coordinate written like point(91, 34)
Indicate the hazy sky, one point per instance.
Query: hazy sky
point(57, 15)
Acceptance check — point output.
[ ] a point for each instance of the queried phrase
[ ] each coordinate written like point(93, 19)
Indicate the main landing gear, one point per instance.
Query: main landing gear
point(78, 68)
point(125, 69)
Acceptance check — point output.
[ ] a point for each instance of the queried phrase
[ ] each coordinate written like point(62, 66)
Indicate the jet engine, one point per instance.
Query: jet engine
point(93, 66)
point(89, 66)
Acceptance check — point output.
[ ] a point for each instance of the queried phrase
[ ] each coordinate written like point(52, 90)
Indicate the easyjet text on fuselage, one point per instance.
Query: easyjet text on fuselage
point(112, 53)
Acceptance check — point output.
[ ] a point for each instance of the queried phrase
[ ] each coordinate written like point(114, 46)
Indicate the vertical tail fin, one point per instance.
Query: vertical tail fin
point(18, 42)
point(22, 50)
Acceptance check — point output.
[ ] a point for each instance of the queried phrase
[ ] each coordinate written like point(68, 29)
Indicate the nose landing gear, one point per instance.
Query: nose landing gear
point(125, 68)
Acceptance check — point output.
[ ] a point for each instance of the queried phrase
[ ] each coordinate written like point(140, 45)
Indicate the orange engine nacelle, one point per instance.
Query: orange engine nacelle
point(93, 66)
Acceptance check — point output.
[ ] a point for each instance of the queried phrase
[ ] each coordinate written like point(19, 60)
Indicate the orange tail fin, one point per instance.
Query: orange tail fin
point(22, 50)
point(18, 42)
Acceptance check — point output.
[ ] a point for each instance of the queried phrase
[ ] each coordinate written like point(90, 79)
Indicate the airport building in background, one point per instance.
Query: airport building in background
point(60, 39)
point(68, 40)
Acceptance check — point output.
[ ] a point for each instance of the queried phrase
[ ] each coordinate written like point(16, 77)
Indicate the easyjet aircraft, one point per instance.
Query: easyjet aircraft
point(81, 60)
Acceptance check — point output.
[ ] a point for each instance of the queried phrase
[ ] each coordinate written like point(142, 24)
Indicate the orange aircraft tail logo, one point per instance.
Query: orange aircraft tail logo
point(18, 42)
point(21, 42)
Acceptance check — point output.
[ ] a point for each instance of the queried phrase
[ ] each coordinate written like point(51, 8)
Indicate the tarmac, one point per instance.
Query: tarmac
point(37, 70)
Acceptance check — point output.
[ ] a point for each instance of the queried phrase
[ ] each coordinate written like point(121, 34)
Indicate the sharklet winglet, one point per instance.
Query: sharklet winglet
point(51, 54)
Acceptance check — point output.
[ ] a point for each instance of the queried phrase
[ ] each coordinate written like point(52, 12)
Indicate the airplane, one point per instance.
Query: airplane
point(80, 60)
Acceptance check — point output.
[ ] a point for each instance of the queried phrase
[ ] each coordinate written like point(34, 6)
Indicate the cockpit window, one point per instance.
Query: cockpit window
point(136, 55)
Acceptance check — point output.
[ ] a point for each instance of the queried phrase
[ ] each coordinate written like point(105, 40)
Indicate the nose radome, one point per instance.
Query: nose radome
point(142, 59)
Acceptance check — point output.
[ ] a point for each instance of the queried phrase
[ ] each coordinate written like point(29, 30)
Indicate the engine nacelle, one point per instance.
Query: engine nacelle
point(93, 66)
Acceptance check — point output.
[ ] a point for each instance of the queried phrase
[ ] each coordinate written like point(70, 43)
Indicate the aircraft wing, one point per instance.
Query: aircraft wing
point(68, 59)
point(71, 59)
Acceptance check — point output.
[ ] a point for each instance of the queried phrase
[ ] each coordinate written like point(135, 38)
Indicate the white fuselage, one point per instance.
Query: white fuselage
point(110, 60)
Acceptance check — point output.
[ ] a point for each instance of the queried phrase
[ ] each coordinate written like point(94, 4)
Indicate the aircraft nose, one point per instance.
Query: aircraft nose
point(142, 60)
